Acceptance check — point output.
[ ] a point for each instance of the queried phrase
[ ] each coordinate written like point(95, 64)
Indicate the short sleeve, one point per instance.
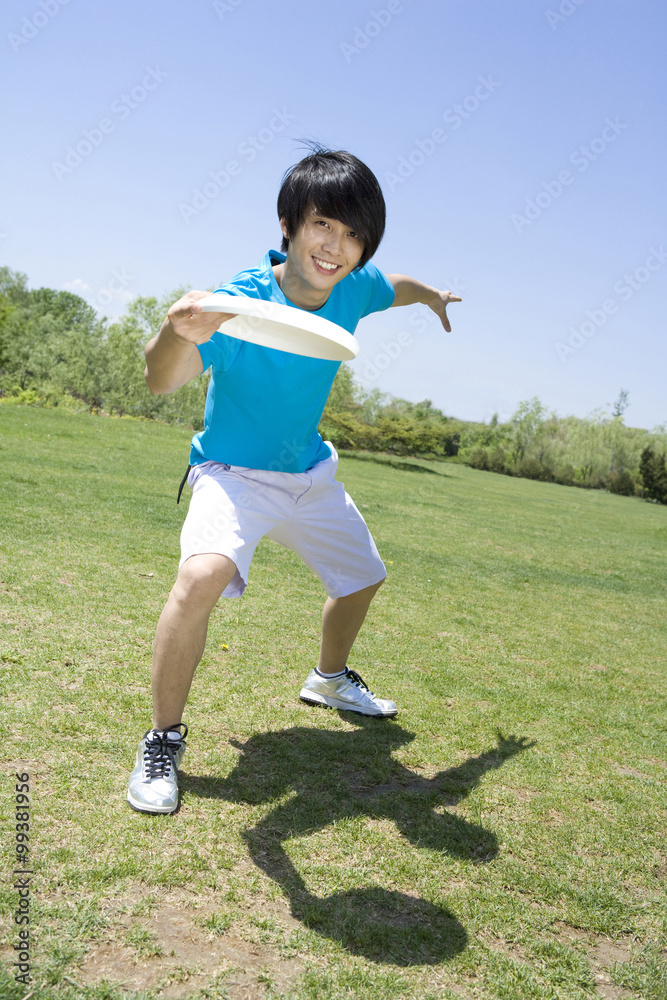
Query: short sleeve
point(220, 351)
point(380, 291)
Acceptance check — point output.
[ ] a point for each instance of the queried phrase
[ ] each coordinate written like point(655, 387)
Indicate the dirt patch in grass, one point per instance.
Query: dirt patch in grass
point(631, 772)
point(656, 760)
point(610, 992)
point(511, 948)
point(172, 947)
point(603, 953)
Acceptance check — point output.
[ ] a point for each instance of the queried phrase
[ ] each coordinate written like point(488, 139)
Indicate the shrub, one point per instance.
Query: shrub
point(479, 458)
point(621, 483)
point(531, 468)
point(341, 429)
point(588, 480)
point(449, 441)
point(497, 460)
point(565, 475)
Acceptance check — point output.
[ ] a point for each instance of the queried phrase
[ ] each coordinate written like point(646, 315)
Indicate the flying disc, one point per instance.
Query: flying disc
point(284, 328)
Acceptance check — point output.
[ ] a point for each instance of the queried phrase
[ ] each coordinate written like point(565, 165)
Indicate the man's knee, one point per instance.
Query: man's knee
point(202, 578)
point(365, 594)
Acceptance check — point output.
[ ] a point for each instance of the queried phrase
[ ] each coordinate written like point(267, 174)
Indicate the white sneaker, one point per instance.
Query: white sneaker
point(153, 784)
point(348, 692)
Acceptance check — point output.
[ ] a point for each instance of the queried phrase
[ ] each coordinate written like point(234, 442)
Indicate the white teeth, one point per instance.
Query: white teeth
point(326, 265)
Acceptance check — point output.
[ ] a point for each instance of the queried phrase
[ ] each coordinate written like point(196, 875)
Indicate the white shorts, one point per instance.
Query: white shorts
point(309, 512)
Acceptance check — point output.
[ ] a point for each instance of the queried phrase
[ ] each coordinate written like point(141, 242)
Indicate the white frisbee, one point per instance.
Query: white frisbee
point(272, 324)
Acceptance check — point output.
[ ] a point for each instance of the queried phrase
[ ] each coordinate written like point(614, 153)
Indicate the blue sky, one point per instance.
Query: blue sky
point(521, 147)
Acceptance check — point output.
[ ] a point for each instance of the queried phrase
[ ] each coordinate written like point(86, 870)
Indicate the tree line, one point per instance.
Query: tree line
point(56, 351)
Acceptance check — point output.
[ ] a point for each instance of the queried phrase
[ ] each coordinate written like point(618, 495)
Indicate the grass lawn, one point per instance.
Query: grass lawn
point(503, 838)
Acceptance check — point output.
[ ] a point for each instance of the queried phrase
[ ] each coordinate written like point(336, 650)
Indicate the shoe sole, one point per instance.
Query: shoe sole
point(154, 810)
point(344, 706)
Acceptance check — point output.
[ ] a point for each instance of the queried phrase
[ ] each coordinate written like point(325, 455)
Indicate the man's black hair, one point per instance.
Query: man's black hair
point(339, 186)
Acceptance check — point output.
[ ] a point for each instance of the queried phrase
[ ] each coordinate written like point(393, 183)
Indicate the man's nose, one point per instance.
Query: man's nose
point(332, 242)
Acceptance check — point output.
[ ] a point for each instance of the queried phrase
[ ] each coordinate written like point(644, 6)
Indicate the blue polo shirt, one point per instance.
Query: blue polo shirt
point(263, 406)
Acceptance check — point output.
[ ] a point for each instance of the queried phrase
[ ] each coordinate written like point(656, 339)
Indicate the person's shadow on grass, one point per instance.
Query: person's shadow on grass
point(343, 775)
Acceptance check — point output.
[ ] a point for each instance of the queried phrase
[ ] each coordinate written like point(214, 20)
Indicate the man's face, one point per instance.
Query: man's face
point(323, 251)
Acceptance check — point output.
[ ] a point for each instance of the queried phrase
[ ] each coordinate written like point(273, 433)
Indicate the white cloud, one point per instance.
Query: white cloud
point(109, 300)
point(79, 287)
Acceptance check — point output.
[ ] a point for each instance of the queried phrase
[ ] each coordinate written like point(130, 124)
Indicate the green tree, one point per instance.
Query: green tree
point(49, 340)
point(344, 395)
point(124, 388)
point(527, 425)
point(621, 404)
point(14, 285)
point(654, 475)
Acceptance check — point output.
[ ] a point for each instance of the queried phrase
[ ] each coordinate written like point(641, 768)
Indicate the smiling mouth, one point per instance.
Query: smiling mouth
point(325, 266)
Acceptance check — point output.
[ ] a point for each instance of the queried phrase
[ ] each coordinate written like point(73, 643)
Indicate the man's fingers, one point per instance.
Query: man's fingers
point(189, 322)
point(187, 309)
point(193, 310)
point(448, 297)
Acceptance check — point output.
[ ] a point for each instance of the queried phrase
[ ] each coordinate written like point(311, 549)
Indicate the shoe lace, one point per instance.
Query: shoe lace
point(159, 751)
point(356, 678)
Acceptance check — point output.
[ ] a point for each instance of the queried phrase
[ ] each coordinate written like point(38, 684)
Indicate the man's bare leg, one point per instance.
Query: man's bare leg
point(179, 644)
point(330, 683)
point(342, 618)
point(181, 632)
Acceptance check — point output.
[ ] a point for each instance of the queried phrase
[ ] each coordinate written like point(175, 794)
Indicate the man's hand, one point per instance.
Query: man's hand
point(408, 291)
point(189, 323)
point(439, 304)
point(172, 358)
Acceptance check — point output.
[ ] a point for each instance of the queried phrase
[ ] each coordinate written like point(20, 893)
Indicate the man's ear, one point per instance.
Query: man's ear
point(284, 230)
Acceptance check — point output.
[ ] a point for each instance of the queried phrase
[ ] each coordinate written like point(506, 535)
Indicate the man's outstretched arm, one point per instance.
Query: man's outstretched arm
point(172, 358)
point(408, 291)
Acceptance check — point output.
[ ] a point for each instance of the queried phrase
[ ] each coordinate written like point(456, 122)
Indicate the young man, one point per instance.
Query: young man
point(260, 467)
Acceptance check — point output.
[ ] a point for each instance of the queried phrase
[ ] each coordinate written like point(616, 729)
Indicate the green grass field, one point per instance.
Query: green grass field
point(502, 839)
